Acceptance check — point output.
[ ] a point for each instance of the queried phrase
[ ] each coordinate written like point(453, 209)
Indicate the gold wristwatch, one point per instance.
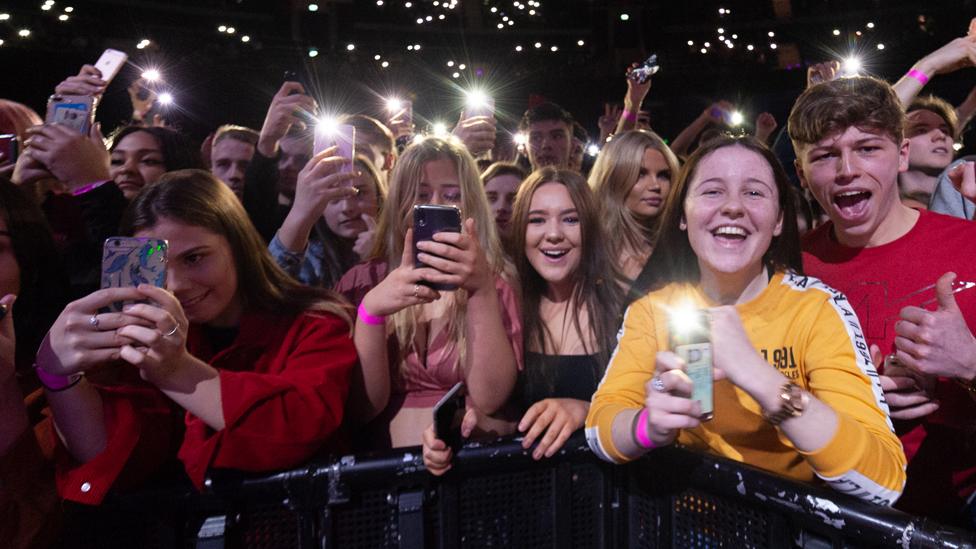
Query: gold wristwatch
point(793, 403)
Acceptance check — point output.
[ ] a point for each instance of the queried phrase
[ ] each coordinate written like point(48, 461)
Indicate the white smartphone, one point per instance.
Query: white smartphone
point(110, 63)
point(344, 137)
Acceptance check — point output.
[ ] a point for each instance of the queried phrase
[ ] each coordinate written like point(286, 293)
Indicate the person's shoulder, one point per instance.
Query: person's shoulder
point(365, 274)
point(807, 287)
point(928, 218)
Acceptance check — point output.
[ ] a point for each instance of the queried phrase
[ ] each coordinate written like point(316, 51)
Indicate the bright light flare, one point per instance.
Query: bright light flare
point(736, 118)
point(165, 98)
point(151, 75)
point(477, 99)
point(520, 139)
point(394, 104)
point(592, 150)
point(851, 65)
point(439, 129)
point(327, 125)
point(685, 319)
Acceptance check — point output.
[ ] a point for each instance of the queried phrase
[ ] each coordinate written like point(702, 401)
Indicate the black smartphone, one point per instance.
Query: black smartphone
point(293, 76)
point(429, 220)
point(10, 148)
point(448, 414)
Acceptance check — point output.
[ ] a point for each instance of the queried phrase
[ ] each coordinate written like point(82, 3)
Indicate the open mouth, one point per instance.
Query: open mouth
point(852, 203)
point(555, 254)
point(730, 234)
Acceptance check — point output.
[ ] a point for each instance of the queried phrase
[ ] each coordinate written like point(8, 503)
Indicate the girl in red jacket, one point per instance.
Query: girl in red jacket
point(259, 363)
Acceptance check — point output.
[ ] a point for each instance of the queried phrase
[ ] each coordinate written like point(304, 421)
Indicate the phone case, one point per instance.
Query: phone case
point(345, 138)
point(130, 261)
point(73, 111)
point(448, 414)
point(698, 366)
point(110, 62)
point(429, 219)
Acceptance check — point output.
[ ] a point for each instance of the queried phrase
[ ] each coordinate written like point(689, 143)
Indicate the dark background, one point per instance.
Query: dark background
point(217, 78)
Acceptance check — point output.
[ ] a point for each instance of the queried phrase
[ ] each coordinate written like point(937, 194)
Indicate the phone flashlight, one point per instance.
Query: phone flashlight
point(736, 118)
point(165, 98)
point(152, 75)
point(689, 336)
point(478, 103)
point(851, 66)
point(394, 104)
point(439, 129)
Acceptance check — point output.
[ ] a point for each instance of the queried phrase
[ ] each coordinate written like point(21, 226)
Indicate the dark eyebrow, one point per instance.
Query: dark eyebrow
point(193, 250)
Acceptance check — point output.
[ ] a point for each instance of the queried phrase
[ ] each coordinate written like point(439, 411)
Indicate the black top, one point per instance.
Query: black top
point(558, 376)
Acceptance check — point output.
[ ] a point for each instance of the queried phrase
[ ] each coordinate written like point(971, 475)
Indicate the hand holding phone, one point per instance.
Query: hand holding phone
point(448, 415)
point(428, 220)
point(9, 149)
point(688, 332)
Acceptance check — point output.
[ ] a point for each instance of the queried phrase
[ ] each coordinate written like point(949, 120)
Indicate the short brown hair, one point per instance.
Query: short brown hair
point(240, 133)
point(831, 107)
point(939, 106)
point(502, 168)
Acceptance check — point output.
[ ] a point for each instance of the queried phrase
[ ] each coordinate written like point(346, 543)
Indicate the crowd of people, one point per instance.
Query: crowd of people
point(301, 316)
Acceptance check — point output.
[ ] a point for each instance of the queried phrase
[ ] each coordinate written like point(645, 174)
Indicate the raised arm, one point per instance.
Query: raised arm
point(958, 53)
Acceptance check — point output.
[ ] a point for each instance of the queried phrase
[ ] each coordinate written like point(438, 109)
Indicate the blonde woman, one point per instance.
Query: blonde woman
point(414, 342)
point(631, 178)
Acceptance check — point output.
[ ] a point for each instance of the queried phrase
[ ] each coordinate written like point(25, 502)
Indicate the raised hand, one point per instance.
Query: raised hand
point(401, 288)
point(822, 72)
point(365, 239)
point(477, 133)
point(458, 259)
point(937, 342)
point(765, 126)
point(88, 81)
point(963, 178)
point(288, 107)
point(72, 158)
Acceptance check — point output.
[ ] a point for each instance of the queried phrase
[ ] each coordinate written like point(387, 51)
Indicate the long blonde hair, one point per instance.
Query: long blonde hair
point(397, 216)
point(613, 176)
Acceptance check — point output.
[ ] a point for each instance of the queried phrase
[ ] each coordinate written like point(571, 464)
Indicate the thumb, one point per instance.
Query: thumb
point(469, 422)
point(470, 228)
point(972, 29)
point(944, 293)
point(876, 357)
point(407, 257)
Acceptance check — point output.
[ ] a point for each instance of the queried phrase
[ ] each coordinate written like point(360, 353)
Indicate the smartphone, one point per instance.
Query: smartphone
point(429, 220)
point(10, 147)
point(691, 340)
point(448, 414)
point(645, 70)
point(486, 108)
point(110, 63)
point(73, 111)
point(130, 261)
point(344, 137)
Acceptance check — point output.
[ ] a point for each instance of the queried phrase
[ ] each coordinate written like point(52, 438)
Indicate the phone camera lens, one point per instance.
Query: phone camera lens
point(422, 222)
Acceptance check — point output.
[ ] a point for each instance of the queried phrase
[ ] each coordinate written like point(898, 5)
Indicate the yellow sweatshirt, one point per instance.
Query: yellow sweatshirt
point(809, 332)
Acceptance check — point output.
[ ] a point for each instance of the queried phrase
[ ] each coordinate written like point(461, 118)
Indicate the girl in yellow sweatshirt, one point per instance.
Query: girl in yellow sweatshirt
point(796, 392)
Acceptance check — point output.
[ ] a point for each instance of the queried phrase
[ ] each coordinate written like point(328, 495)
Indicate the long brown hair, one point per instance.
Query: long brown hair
point(674, 260)
point(614, 174)
point(197, 198)
point(596, 283)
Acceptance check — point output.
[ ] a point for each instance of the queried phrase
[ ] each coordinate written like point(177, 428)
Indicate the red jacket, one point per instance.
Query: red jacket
point(283, 383)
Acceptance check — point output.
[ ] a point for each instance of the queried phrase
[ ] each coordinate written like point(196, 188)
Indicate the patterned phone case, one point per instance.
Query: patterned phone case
point(130, 261)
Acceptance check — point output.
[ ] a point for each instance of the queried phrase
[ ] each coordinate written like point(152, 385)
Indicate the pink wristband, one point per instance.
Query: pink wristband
point(54, 382)
point(640, 431)
point(629, 116)
point(918, 75)
point(368, 318)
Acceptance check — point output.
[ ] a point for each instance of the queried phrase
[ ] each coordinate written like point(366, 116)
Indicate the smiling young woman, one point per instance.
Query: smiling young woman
point(258, 364)
point(794, 393)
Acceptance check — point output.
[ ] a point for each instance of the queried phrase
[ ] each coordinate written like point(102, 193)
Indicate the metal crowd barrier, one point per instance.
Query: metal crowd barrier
point(497, 496)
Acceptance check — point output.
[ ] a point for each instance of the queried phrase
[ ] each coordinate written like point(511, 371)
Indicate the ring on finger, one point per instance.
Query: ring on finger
point(173, 331)
point(93, 321)
point(658, 384)
point(416, 290)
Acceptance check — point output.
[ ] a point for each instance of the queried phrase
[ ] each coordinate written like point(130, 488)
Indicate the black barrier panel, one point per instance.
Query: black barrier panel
point(497, 496)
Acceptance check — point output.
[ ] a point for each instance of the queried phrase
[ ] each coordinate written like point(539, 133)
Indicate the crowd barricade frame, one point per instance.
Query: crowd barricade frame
point(496, 495)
